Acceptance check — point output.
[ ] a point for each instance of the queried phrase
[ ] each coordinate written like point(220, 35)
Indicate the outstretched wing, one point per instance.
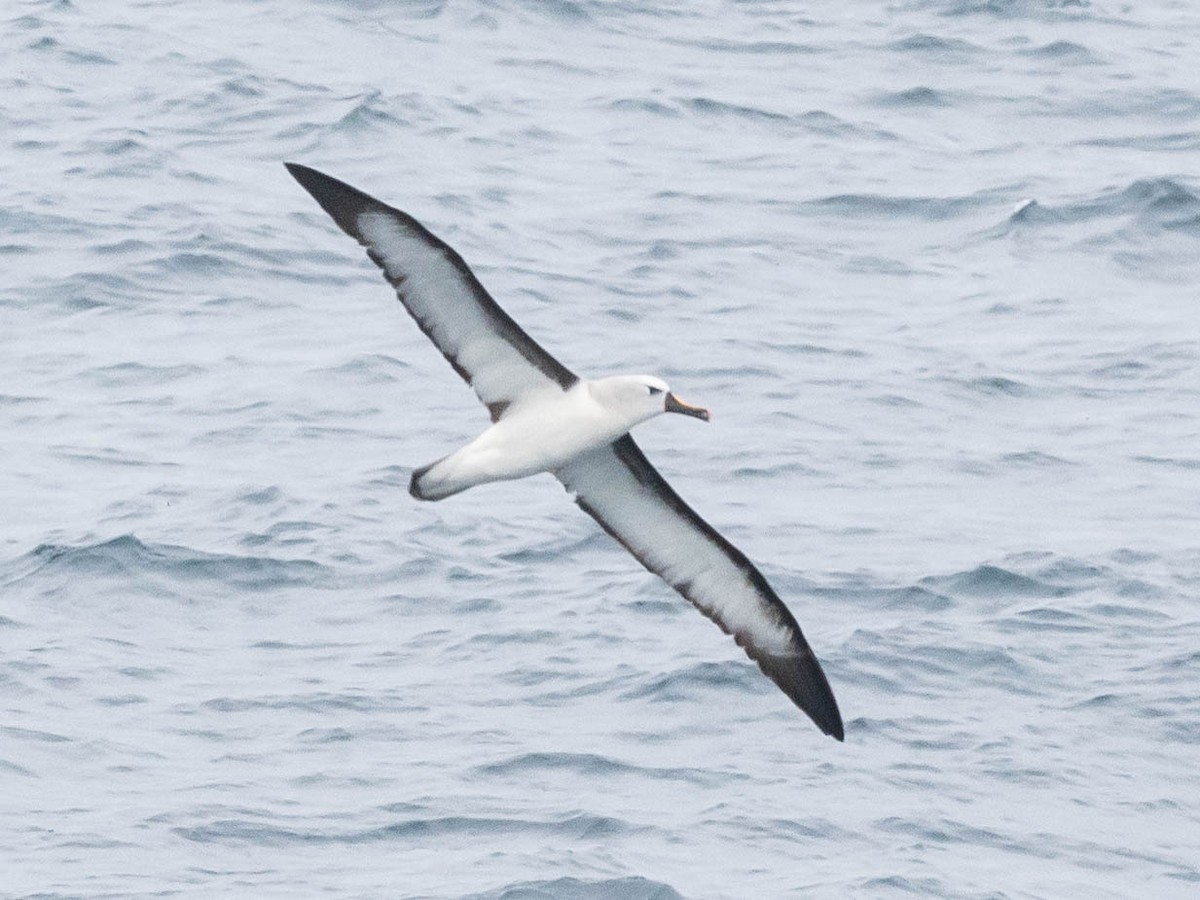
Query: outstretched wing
point(618, 487)
point(483, 344)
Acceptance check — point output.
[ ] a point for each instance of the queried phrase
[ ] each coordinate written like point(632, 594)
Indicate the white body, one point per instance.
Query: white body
point(545, 431)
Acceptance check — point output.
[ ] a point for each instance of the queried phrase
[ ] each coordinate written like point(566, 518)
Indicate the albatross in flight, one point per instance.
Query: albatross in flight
point(546, 419)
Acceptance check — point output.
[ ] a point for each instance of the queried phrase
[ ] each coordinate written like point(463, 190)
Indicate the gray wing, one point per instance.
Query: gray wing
point(483, 344)
point(618, 487)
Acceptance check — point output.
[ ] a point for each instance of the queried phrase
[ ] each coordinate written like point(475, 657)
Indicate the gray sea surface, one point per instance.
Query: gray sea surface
point(934, 266)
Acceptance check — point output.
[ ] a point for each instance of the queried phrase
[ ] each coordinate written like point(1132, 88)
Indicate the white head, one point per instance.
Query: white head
point(636, 398)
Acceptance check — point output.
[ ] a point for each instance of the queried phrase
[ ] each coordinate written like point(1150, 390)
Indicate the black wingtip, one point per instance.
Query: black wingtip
point(343, 202)
point(309, 178)
point(802, 679)
point(414, 483)
point(823, 708)
point(837, 732)
point(820, 705)
point(306, 175)
point(824, 712)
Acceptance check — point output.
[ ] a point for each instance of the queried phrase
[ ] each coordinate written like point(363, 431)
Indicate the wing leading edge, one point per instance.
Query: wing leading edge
point(617, 486)
point(491, 352)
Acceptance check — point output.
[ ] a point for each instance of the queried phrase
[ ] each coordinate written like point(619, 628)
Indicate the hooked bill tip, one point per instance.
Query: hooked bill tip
point(675, 405)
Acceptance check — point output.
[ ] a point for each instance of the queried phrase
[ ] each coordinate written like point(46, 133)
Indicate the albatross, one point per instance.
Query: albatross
point(547, 419)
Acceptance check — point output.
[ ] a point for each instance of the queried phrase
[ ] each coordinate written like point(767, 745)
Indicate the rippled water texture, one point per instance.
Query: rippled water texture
point(933, 266)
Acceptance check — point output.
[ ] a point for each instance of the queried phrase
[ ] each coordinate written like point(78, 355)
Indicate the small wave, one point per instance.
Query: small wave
point(1170, 142)
point(879, 265)
point(132, 374)
point(914, 98)
point(1030, 212)
point(896, 401)
point(591, 765)
point(1165, 200)
point(1160, 203)
point(1121, 369)
point(261, 497)
point(998, 385)
point(410, 9)
point(820, 122)
point(1187, 463)
point(227, 97)
point(122, 700)
point(86, 291)
point(893, 663)
point(954, 661)
point(709, 107)
point(127, 555)
point(643, 105)
point(122, 157)
point(771, 472)
point(320, 702)
point(368, 114)
point(372, 368)
point(1100, 701)
point(554, 549)
point(587, 687)
point(71, 54)
point(929, 209)
point(14, 250)
point(937, 48)
point(630, 888)
point(1064, 52)
point(321, 736)
point(1035, 459)
point(33, 734)
point(669, 609)
point(686, 683)
point(536, 636)
point(122, 247)
point(947, 831)
point(1040, 10)
point(19, 399)
point(206, 265)
point(1046, 619)
point(1067, 571)
point(989, 581)
point(543, 64)
point(11, 768)
point(16, 220)
point(911, 597)
point(562, 10)
point(756, 48)
point(247, 832)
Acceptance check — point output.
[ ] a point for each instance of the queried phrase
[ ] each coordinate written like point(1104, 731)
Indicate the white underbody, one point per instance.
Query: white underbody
point(540, 434)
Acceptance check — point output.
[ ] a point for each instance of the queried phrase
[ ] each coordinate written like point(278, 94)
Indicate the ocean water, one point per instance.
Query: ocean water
point(934, 268)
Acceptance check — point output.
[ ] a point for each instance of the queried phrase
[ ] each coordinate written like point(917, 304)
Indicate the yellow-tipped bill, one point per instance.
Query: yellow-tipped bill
point(675, 405)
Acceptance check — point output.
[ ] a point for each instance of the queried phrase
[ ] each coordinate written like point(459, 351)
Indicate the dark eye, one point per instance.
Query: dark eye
point(653, 390)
